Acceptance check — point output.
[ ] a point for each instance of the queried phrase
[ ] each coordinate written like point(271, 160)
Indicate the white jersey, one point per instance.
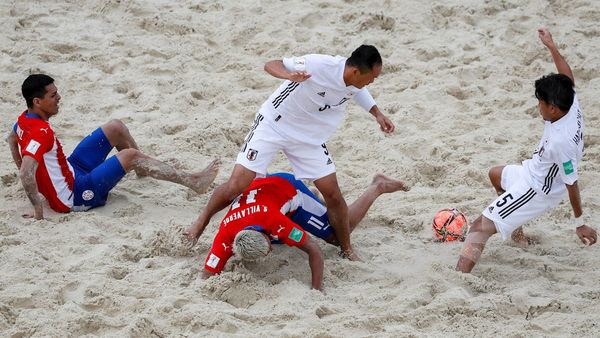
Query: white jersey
point(310, 111)
point(557, 157)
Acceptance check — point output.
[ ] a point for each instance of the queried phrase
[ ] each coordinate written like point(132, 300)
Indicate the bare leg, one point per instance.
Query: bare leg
point(133, 159)
point(221, 197)
point(337, 212)
point(380, 184)
point(118, 135)
point(480, 231)
point(495, 175)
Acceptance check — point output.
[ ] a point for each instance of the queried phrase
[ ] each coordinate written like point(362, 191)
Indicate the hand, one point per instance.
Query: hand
point(298, 76)
point(386, 125)
point(587, 235)
point(546, 37)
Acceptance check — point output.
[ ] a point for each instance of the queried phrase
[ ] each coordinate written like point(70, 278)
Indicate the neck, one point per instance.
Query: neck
point(38, 113)
point(348, 75)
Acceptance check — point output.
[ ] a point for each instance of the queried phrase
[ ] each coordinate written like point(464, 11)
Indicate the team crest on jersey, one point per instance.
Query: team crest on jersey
point(87, 195)
point(541, 151)
point(251, 155)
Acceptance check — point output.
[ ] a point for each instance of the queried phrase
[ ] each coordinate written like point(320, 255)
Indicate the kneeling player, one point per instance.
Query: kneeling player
point(278, 209)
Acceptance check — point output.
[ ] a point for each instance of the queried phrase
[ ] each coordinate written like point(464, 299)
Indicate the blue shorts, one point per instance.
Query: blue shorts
point(94, 175)
point(312, 214)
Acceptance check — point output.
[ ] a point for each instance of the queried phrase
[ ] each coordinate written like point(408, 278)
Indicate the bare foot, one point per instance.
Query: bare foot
point(386, 184)
point(520, 239)
point(201, 180)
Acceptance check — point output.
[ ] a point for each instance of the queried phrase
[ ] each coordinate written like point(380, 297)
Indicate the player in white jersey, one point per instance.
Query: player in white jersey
point(540, 183)
point(298, 118)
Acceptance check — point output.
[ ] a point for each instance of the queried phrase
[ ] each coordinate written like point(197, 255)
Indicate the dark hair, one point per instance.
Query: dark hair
point(35, 86)
point(364, 58)
point(555, 89)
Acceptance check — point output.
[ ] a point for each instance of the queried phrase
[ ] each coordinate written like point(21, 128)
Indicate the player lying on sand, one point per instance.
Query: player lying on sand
point(540, 183)
point(83, 180)
point(281, 209)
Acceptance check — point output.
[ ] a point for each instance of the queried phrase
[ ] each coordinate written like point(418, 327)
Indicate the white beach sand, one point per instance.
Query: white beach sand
point(187, 77)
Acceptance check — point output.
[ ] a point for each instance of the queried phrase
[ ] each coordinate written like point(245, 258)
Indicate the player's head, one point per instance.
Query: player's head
point(365, 64)
point(34, 86)
point(554, 92)
point(250, 244)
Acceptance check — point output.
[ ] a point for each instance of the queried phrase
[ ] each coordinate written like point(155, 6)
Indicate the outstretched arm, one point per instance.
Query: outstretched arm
point(315, 260)
point(277, 69)
point(586, 234)
point(14, 148)
point(27, 173)
point(561, 64)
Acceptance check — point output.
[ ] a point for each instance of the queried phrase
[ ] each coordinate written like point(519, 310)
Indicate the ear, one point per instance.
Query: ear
point(36, 101)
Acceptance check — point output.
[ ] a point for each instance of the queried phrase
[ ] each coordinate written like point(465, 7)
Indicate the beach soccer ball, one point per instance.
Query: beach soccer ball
point(449, 225)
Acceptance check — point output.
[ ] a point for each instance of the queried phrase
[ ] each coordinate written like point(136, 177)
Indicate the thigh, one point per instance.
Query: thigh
point(91, 151)
point(309, 161)
point(511, 174)
point(518, 205)
point(260, 146)
point(91, 190)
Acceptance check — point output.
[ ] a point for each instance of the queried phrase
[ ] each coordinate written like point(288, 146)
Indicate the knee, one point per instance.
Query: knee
point(236, 185)
point(129, 156)
point(116, 126)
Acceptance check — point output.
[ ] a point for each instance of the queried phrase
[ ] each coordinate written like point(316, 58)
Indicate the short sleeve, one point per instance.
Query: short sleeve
point(287, 231)
point(39, 143)
point(219, 254)
point(567, 167)
point(364, 99)
point(295, 63)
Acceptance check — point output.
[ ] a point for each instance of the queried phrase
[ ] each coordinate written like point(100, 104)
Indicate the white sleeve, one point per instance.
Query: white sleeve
point(295, 63)
point(364, 99)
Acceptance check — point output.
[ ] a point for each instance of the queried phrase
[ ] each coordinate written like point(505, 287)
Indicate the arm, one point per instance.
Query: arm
point(14, 148)
point(315, 260)
point(366, 101)
point(276, 69)
point(586, 234)
point(27, 173)
point(561, 65)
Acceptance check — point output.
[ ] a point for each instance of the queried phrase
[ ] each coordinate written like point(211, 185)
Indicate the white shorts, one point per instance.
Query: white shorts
point(308, 161)
point(519, 203)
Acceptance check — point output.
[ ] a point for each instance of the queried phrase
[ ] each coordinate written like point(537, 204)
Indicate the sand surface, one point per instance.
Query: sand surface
point(187, 78)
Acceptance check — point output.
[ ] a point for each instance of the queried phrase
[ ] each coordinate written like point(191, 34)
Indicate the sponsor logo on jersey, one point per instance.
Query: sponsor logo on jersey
point(252, 154)
point(296, 235)
point(568, 167)
point(329, 161)
point(87, 195)
point(491, 208)
point(33, 146)
point(321, 94)
point(213, 260)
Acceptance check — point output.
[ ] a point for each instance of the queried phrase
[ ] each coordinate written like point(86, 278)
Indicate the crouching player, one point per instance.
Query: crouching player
point(281, 209)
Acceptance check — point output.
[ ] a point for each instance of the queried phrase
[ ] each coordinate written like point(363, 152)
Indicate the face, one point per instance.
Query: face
point(361, 80)
point(547, 110)
point(48, 105)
